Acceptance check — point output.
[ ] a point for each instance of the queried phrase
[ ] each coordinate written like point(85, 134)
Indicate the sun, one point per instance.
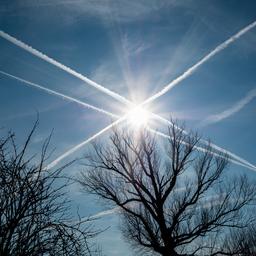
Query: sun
point(138, 117)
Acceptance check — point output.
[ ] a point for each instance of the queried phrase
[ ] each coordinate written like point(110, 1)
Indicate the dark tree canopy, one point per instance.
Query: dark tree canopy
point(176, 201)
point(35, 217)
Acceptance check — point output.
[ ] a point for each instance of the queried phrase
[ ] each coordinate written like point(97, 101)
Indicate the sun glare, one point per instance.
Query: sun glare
point(138, 117)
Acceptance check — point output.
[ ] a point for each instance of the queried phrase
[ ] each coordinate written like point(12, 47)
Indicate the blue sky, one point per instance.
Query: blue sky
point(134, 48)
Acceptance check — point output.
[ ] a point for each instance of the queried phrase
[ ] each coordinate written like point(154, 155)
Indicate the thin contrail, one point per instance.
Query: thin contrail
point(240, 161)
point(192, 69)
point(40, 87)
point(63, 96)
point(105, 213)
point(212, 201)
point(253, 168)
point(44, 57)
point(232, 110)
point(214, 146)
point(75, 148)
point(97, 215)
point(119, 97)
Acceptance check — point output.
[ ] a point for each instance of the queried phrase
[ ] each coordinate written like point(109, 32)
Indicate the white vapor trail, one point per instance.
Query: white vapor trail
point(105, 213)
point(240, 161)
point(121, 98)
point(253, 168)
point(211, 201)
point(63, 96)
point(232, 110)
point(75, 148)
point(192, 69)
point(214, 146)
point(44, 57)
point(97, 215)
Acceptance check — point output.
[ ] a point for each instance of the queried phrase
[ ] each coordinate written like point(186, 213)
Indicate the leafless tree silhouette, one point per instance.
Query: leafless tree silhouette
point(34, 209)
point(176, 201)
point(242, 241)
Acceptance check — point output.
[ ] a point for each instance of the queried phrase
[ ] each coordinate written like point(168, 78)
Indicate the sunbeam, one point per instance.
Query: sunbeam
point(138, 117)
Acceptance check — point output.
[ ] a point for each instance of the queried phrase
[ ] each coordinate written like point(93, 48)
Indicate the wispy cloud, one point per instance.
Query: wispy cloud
point(133, 47)
point(122, 10)
point(232, 110)
point(130, 51)
point(106, 73)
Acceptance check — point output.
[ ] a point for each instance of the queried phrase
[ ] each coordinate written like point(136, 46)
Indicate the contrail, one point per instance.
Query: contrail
point(119, 97)
point(240, 161)
point(192, 69)
point(105, 213)
point(214, 146)
point(232, 110)
point(212, 201)
point(97, 215)
point(75, 148)
point(63, 96)
point(40, 87)
point(44, 57)
point(253, 168)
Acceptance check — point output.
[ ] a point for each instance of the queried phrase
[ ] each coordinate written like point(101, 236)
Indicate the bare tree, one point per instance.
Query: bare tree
point(242, 241)
point(34, 209)
point(176, 201)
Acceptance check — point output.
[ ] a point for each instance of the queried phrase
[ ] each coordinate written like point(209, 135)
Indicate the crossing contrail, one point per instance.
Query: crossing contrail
point(239, 161)
point(118, 97)
point(63, 96)
point(121, 98)
point(253, 168)
point(75, 148)
point(192, 69)
point(44, 57)
point(40, 87)
point(214, 146)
